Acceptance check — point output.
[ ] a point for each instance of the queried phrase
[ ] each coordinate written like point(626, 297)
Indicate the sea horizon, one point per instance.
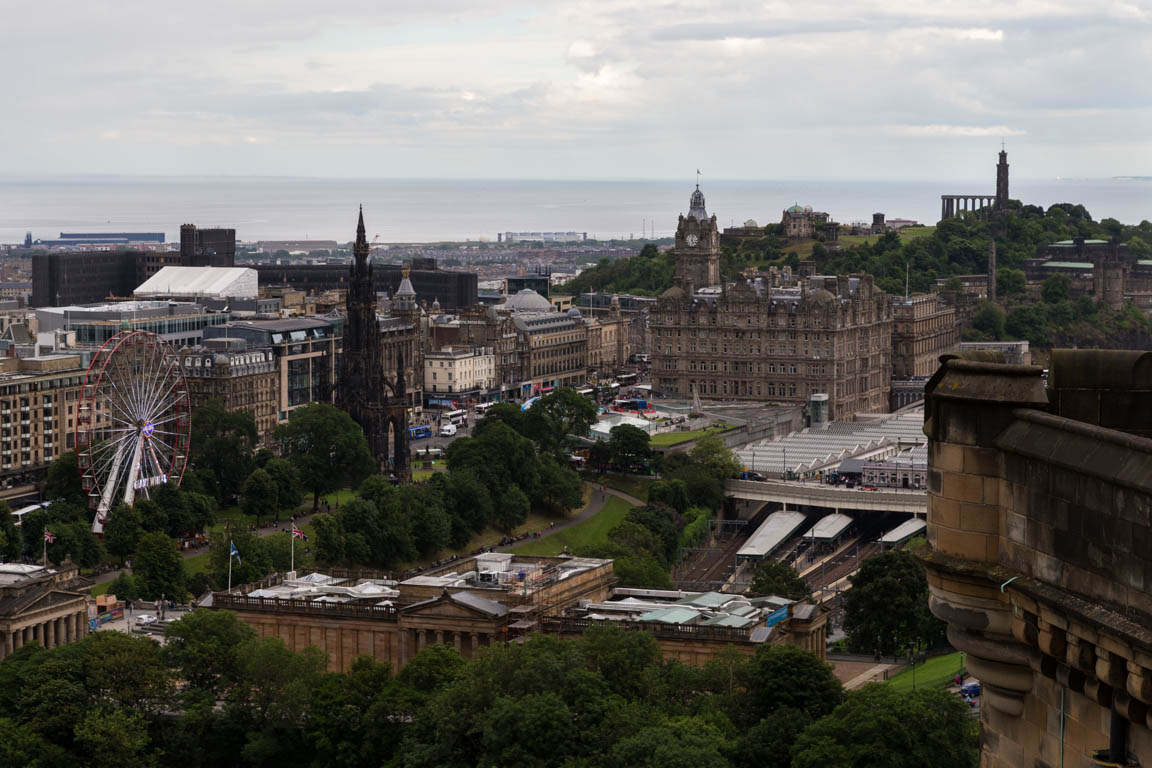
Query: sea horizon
point(462, 209)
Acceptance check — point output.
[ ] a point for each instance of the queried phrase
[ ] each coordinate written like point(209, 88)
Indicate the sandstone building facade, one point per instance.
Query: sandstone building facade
point(923, 328)
point(40, 605)
point(758, 339)
point(1039, 529)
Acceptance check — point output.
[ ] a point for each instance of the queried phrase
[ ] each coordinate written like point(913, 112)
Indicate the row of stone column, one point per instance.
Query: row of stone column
point(47, 634)
point(951, 205)
point(472, 641)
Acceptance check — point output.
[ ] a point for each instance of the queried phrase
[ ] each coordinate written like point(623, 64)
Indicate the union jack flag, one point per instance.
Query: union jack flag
point(49, 536)
point(299, 533)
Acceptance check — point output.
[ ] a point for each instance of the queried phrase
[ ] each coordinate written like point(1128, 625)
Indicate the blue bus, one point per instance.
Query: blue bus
point(419, 431)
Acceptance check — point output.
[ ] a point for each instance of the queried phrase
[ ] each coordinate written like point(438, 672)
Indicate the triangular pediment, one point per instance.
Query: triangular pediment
point(446, 607)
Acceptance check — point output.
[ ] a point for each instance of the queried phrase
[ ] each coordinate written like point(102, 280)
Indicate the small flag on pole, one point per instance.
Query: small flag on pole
point(299, 534)
point(49, 536)
point(234, 552)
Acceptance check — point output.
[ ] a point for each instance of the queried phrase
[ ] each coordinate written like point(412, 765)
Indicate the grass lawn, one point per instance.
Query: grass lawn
point(588, 532)
point(676, 438)
point(420, 475)
point(937, 672)
point(101, 589)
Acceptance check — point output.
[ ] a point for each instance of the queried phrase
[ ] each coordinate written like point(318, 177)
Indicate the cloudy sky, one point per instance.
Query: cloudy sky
point(794, 89)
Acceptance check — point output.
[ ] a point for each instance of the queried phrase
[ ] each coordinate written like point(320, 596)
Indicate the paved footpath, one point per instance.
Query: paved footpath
point(596, 500)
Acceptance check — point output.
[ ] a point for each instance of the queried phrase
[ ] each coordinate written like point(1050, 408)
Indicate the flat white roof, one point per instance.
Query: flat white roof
point(214, 282)
point(772, 533)
point(905, 530)
point(829, 527)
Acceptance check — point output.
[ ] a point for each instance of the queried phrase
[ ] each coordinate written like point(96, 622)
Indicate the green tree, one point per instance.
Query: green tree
point(158, 568)
point(785, 676)
point(115, 739)
point(259, 496)
point(124, 587)
point(327, 448)
point(663, 521)
point(629, 446)
point(203, 648)
point(11, 543)
point(1010, 282)
point(989, 319)
point(887, 607)
point(565, 412)
point(512, 510)
point(287, 481)
point(252, 564)
point(876, 725)
point(673, 493)
point(776, 578)
point(559, 489)
point(715, 457)
point(222, 442)
point(63, 481)
point(1056, 289)
point(123, 530)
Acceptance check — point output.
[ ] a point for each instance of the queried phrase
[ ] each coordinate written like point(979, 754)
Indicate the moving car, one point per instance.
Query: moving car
point(146, 618)
point(448, 430)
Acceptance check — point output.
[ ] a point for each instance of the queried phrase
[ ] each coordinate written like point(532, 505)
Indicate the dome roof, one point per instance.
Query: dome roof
point(795, 209)
point(675, 292)
point(527, 300)
point(696, 205)
point(820, 297)
point(574, 312)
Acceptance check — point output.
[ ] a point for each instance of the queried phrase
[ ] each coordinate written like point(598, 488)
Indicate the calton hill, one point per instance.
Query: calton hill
point(929, 259)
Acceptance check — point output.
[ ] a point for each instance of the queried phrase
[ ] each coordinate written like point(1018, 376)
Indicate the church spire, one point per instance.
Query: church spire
point(361, 237)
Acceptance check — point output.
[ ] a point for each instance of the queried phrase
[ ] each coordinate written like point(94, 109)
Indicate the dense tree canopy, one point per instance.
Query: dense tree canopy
point(222, 442)
point(217, 695)
point(876, 725)
point(327, 448)
point(887, 607)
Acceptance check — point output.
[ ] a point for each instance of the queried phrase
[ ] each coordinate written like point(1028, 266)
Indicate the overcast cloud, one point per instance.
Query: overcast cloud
point(789, 89)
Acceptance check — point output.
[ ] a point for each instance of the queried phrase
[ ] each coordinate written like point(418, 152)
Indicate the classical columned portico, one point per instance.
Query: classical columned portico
point(953, 205)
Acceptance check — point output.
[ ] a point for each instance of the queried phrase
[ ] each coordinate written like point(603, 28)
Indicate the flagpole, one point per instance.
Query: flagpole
point(230, 547)
point(45, 547)
point(292, 534)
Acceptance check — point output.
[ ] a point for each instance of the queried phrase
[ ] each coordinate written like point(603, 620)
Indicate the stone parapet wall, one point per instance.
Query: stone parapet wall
point(1039, 528)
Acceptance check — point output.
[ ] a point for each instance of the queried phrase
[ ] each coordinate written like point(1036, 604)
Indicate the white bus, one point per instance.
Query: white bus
point(454, 417)
point(482, 408)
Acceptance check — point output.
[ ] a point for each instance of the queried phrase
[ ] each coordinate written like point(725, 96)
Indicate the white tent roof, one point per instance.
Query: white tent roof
point(210, 282)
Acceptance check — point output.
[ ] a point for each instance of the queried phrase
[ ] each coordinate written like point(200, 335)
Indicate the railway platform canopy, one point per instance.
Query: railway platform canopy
point(773, 532)
point(903, 532)
point(829, 527)
point(818, 450)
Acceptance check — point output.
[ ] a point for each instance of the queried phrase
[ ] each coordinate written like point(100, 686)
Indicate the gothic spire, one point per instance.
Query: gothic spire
point(361, 237)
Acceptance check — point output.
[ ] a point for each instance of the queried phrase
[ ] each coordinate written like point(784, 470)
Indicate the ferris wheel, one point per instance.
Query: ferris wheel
point(133, 425)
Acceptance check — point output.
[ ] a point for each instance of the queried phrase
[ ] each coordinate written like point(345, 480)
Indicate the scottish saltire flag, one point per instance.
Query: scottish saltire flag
point(49, 536)
point(234, 553)
point(298, 533)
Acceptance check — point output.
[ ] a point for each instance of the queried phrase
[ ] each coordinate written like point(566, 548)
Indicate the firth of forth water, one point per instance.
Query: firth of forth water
point(403, 210)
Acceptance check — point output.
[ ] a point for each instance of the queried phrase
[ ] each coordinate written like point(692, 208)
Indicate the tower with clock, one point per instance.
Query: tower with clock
point(697, 247)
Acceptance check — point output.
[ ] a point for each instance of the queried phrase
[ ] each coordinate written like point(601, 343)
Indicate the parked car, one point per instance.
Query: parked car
point(971, 689)
point(448, 430)
point(146, 618)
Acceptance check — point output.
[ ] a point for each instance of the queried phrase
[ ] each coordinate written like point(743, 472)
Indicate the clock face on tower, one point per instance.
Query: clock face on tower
point(692, 240)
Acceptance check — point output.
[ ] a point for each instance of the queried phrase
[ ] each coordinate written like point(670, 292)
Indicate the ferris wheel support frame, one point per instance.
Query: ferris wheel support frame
point(140, 430)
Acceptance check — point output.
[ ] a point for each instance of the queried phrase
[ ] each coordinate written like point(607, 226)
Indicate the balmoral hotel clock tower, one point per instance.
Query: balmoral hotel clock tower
point(697, 247)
